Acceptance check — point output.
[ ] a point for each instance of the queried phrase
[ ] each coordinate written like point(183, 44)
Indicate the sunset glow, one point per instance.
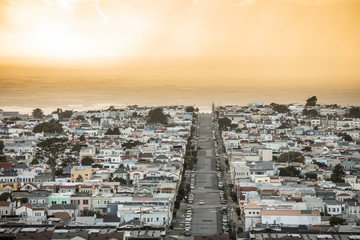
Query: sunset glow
point(257, 43)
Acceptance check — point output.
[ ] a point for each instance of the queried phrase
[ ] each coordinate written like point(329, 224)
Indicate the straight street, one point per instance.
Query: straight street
point(207, 219)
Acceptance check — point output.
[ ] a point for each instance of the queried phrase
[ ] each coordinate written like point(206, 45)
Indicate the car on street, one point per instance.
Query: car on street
point(201, 202)
point(187, 233)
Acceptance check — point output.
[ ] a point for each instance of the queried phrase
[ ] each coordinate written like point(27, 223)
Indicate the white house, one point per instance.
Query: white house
point(290, 217)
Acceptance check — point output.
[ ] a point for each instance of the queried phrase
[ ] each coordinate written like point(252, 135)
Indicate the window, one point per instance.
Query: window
point(41, 201)
point(53, 202)
point(63, 202)
point(38, 214)
point(85, 201)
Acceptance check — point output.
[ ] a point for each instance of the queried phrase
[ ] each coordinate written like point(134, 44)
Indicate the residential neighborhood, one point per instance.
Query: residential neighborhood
point(242, 172)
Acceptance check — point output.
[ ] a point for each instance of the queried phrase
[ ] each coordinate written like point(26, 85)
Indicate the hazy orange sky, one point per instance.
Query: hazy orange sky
point(298, 44)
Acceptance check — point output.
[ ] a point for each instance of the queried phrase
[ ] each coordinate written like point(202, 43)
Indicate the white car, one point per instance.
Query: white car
point(201, 202)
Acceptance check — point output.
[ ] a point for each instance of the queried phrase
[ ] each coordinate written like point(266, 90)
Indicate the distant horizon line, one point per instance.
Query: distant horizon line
point(81, 108)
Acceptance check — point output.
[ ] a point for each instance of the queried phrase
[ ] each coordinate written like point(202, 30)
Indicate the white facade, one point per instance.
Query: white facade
point(290, 217)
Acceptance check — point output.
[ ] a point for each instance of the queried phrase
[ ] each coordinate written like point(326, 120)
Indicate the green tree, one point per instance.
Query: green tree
point(76, 148)
point(335, 220)
point(116, 131)
point(310, 175)
point(79, 178)
point(289, 171)
point(68, 160)
point(233, 196)
point(120, 180)
point(82, 138)
point(87, 161)
point(35, 161)
point(38, 113)
point(291, 157)
point(310, 113)
point(224, 123)
point(49, 127)
point(50, 149)
point(310, 102)
point(354, 112)
point(2, 146)
point(3, 158)
point(346, 137)
point(134, 115)
point(24, 200)
point(238, 211)
point(337, 174)
point(80, 118)
point(5, 196)
point(109, 132)
point(189, 109)
point(307, 149)
point(280, 108)
point(157, 115)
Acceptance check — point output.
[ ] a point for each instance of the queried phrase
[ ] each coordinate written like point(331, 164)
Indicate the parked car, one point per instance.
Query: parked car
point(187, 233)
point(201, 202)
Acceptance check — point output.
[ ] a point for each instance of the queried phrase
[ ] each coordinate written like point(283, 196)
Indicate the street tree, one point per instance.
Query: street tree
point(224, 123)
point(50, 149)
point(2, 146)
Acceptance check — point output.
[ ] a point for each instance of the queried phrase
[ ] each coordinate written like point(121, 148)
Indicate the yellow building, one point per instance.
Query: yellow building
point(81, 173)
point(9, 186)
point(262, 179)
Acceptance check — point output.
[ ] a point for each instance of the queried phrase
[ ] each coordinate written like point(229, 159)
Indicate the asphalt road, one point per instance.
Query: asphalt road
point(207, 219)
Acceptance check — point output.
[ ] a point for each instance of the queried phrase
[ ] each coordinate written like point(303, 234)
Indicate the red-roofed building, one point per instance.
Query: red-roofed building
point(6, 208)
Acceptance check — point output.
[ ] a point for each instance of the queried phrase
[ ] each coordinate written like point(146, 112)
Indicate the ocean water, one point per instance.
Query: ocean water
point(200, 83)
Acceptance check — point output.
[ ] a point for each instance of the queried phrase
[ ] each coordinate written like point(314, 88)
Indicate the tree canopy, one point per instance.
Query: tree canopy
point(80, 118)
point(5, 196)
point(336, 220)
point(310, 102)
point(87, 161)
point(337, 174)
point(82, 138)
point(280, 108)
point(49, 127)
point(38, 113)
point(291, 157)
point(189, 109)
point(157, 115)
point(224, 123)
point(2, 146)
point(49, 149)
point(289, 171)
point(310, 113)
point(354, 112)
point(112, 132)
